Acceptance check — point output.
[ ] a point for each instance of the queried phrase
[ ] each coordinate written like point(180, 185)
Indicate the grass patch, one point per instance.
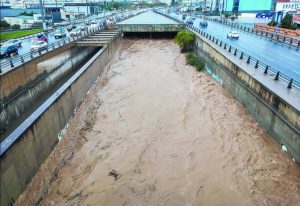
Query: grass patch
point(192, 60)
point(16, 34)
point(185, 39)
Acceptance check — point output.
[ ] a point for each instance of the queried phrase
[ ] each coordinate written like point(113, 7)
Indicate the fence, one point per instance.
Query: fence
point(271, 35)
point(267, 69)
point(20, 59)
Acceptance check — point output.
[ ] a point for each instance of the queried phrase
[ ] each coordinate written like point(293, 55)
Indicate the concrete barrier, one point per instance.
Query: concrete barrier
point(28, 97)
point(276, 115)
point(30, 144)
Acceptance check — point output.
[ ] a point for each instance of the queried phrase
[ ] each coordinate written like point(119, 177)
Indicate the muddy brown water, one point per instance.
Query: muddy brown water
point(153, 131)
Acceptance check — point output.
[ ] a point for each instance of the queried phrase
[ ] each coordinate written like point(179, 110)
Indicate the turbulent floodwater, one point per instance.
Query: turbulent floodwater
point(153, 131)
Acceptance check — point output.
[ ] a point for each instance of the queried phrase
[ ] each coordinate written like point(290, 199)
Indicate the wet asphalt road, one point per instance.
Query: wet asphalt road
point(280, 56)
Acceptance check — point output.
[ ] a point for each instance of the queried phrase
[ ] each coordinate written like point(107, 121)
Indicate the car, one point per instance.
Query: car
point(203, 24)
point(7, 51)
point(70, 27)
point(38, 45)
point(189, 21)
point(233, 35)
point(41, 37)
point(75, 32)
point(15, 42)
point(183, 17)
point(60, 33)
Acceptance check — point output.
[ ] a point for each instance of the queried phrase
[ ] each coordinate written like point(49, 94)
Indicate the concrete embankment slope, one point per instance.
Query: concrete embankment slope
point(25, 87)
point(27, 147)
point(274, 106)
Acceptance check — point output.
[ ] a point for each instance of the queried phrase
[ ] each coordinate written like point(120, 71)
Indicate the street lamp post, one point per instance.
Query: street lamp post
point(43, 15)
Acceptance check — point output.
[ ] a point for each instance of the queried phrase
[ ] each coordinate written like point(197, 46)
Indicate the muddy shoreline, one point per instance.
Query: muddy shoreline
point(153, 131)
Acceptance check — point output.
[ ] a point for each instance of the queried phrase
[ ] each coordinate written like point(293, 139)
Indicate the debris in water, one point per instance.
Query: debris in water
point(283, 147)
point(114, 173)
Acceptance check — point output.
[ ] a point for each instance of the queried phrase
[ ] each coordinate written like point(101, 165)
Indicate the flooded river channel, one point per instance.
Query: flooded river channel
point(153, 131)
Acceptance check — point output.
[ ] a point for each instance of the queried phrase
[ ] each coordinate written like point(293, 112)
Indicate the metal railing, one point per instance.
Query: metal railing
point(267, 34)
point(17, 60)
point(259, 65)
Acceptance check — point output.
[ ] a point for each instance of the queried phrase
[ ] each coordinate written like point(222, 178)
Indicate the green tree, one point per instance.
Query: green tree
point(185, 39)
point(272, 23)
point(4, 24)
point(16, 26)
point(287, 22)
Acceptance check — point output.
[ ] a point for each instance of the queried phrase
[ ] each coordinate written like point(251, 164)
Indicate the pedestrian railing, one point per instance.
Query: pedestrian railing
point(267, 34)
point(259, 65)
point(17, 60)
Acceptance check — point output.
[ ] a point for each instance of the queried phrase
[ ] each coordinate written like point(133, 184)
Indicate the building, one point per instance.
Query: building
point(243, 6)
point(53, 14)
point(287, 6)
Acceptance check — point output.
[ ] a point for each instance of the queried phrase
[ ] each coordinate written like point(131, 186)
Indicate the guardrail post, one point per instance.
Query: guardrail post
point(229, 48)
point(213, 40)
point(242, 55)
point(284, 39)
point(256, 65)
point(217, 41)
point(225, 46)
point(39, 52)
point(235, 52)
point(266, 70)
point(209, 37)
point(290, 84)
point(291, 41)
point(248, 60)
point(11, 64)
point(277, 76)
point(220, 43)
point(53, 46)
point(22, 59)
point(31, 54)
point(298, 45)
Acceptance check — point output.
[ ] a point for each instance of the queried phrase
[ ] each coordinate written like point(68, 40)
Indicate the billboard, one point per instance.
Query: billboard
point(248, 5)
point(255, 5)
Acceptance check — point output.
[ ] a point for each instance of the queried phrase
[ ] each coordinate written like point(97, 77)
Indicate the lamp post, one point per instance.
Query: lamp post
point(43, 15)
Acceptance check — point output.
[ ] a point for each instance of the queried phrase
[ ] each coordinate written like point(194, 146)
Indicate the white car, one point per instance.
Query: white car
point(233, 35)
point(75, 32)
point(13, 42)
point(38, 45)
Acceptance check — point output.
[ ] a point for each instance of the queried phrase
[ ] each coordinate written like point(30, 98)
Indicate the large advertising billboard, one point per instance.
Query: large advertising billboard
point(255, 5)
point(247, 5)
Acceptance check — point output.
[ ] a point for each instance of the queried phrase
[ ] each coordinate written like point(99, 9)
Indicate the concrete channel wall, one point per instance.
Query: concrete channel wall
point(27, 97)
point(280, 119)
point(33, 141)
point(18, 78)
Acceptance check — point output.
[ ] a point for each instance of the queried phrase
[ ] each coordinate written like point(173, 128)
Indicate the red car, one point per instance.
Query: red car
point(41, 37)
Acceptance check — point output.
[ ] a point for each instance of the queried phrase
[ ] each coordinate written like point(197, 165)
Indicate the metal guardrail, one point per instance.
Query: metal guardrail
point(20, 59)
point(267, 34)
point(267, 69)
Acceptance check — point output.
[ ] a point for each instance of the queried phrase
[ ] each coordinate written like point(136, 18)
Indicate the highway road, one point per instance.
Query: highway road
point(280, 56)
point(26, 43)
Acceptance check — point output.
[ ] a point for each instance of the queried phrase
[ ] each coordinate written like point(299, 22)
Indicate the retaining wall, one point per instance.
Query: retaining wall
point(280, 119)
point(31, 143)
point(55, 70)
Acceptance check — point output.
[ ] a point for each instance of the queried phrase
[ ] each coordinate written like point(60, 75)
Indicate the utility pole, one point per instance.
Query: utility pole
point(43, 15)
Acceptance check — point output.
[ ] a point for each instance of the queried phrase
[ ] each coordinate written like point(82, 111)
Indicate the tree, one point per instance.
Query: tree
point(287, 22)
point(272, 23)
point(4, 24)
point(185, 40)
point(16, 26)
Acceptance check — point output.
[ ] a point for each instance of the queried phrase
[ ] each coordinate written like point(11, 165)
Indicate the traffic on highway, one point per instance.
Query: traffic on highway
point(40, 42)
point(284, 58)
